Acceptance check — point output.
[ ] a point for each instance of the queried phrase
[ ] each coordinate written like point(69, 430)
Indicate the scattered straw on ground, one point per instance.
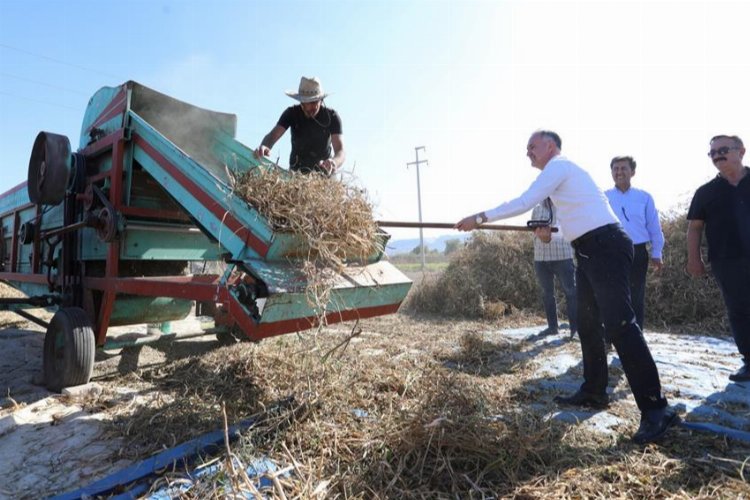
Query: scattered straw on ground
point(9, 318)
point(407, 409)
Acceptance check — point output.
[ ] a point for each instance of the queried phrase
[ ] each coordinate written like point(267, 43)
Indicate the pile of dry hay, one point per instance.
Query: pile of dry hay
point(491, 276)
point(409, 416)
point(333, 217)
point(494, 274)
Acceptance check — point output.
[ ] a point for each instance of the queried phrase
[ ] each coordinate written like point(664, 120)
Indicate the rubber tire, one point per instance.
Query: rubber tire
point(69, 349)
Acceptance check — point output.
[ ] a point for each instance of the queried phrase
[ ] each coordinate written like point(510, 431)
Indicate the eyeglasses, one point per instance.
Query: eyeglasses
point(721, 151)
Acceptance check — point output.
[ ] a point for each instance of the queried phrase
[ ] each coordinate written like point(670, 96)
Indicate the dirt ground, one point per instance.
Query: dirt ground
point(51, 443)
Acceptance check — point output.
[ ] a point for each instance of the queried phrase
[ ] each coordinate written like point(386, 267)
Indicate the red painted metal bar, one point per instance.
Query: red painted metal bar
point(24, 277)
point(116, 106)
point(104, 144)
point(204, 199)
point(201, 287)
point(19, 208)
point(113, 248)
point(448, 225)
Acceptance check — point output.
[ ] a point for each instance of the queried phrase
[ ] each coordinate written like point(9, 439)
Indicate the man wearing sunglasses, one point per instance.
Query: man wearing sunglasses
point(639, 218)
point(721, 207)
point(604, 254)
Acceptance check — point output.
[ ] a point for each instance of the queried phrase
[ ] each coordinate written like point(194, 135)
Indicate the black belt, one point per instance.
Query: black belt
point(594, 232)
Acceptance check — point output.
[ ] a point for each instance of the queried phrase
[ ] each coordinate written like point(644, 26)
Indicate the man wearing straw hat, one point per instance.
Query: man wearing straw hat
point(317, 142)
point(604, 254)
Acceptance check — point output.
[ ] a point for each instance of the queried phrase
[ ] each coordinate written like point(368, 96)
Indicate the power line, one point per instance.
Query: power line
point(58, 61)
point(39, 101)
point(42, 83)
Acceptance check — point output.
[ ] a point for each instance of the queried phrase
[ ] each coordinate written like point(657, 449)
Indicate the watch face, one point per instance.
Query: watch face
point(479, 219)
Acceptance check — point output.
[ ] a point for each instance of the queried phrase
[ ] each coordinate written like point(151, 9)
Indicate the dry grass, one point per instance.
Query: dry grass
point(332, 217)
point(8, 318)
point(494, 274)
point(408, 409)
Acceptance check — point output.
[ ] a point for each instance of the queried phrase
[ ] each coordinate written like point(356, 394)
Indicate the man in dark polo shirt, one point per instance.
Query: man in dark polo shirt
point(317, 141)
point(722, 208)
point(604, 254)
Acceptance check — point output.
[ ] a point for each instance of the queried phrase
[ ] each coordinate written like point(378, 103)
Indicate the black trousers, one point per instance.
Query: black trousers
point(605, 257)
point(733, 277)
point(638, 281)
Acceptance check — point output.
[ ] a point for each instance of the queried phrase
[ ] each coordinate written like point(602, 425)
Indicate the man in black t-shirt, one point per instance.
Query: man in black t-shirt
point(317, 142)
point(722, 207)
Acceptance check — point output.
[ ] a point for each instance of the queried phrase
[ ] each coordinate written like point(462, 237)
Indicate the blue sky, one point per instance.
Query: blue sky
point(469, 80)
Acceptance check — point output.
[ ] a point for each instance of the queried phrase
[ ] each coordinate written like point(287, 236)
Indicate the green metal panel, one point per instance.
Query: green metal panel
point(133, 310)
point(168, 243)
point(357, 287)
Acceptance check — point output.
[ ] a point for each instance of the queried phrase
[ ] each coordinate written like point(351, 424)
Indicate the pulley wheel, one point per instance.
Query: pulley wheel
point(27, 232)
point(106, 228)
point(49, 169)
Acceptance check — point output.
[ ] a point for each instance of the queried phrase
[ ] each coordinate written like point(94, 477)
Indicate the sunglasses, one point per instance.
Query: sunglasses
point(721, 151)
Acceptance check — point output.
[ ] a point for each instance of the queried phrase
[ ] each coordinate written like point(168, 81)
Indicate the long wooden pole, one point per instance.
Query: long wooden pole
point(448, 225)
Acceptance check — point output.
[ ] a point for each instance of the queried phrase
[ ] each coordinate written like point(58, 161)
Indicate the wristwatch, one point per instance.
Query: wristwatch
point(480, 219)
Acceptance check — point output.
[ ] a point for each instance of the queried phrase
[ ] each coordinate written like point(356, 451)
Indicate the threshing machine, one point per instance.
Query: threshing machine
point(104, 235)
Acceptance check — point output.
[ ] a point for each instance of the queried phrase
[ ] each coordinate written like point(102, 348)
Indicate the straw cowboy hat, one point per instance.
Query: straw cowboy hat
point(310, 90)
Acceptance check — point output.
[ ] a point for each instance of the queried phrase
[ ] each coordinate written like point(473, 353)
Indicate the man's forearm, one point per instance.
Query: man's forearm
point(694, 236)
point(268, 141)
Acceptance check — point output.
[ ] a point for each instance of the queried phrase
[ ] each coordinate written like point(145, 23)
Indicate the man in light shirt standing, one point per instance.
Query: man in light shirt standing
point(604, 254)
point(553, 257)
point(639, 218)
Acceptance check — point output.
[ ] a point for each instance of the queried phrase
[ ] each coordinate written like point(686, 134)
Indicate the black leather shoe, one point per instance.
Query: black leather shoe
point(581, 398)
point(742, 375)
point(546, 332)
point(654, 424)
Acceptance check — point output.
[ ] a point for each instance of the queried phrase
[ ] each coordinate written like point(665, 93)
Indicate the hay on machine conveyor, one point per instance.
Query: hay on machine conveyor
point(104, 235)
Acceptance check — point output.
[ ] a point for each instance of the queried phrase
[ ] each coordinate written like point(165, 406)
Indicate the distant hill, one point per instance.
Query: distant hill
point(395, 247)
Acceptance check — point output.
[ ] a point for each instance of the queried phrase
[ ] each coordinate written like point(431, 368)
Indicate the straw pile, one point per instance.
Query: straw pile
point(494, 274)
point(676, 299)
point(408, 416)
point(333, 218)
point(491, 276)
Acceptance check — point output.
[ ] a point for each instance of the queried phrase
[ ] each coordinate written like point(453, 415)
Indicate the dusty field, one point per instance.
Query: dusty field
point(409, 407)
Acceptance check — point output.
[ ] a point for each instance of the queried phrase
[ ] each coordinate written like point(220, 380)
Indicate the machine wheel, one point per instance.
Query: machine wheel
point(69, 348)
point(49, 169)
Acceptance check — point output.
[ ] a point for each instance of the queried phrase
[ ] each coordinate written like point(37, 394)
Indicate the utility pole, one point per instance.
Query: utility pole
point(419, 198)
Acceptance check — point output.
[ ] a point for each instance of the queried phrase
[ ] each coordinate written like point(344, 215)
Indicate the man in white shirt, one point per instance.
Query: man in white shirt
point(553, 258)
point(604, 254)
point(639, 218)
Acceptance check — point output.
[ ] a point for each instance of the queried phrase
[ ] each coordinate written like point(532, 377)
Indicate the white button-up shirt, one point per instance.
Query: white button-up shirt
point(581, 204)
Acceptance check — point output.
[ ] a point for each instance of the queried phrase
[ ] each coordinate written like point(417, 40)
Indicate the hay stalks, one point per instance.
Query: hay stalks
point(332, 217)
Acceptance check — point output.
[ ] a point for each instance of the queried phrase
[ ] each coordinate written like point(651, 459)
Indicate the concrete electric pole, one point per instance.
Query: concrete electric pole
point(419, 198)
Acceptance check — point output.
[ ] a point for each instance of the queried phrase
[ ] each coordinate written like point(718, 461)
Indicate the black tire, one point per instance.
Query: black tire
point(49, 169)
point(69, 349)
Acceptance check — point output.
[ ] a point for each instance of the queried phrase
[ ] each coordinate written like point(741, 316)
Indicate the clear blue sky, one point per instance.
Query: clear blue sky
point(469, 80)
